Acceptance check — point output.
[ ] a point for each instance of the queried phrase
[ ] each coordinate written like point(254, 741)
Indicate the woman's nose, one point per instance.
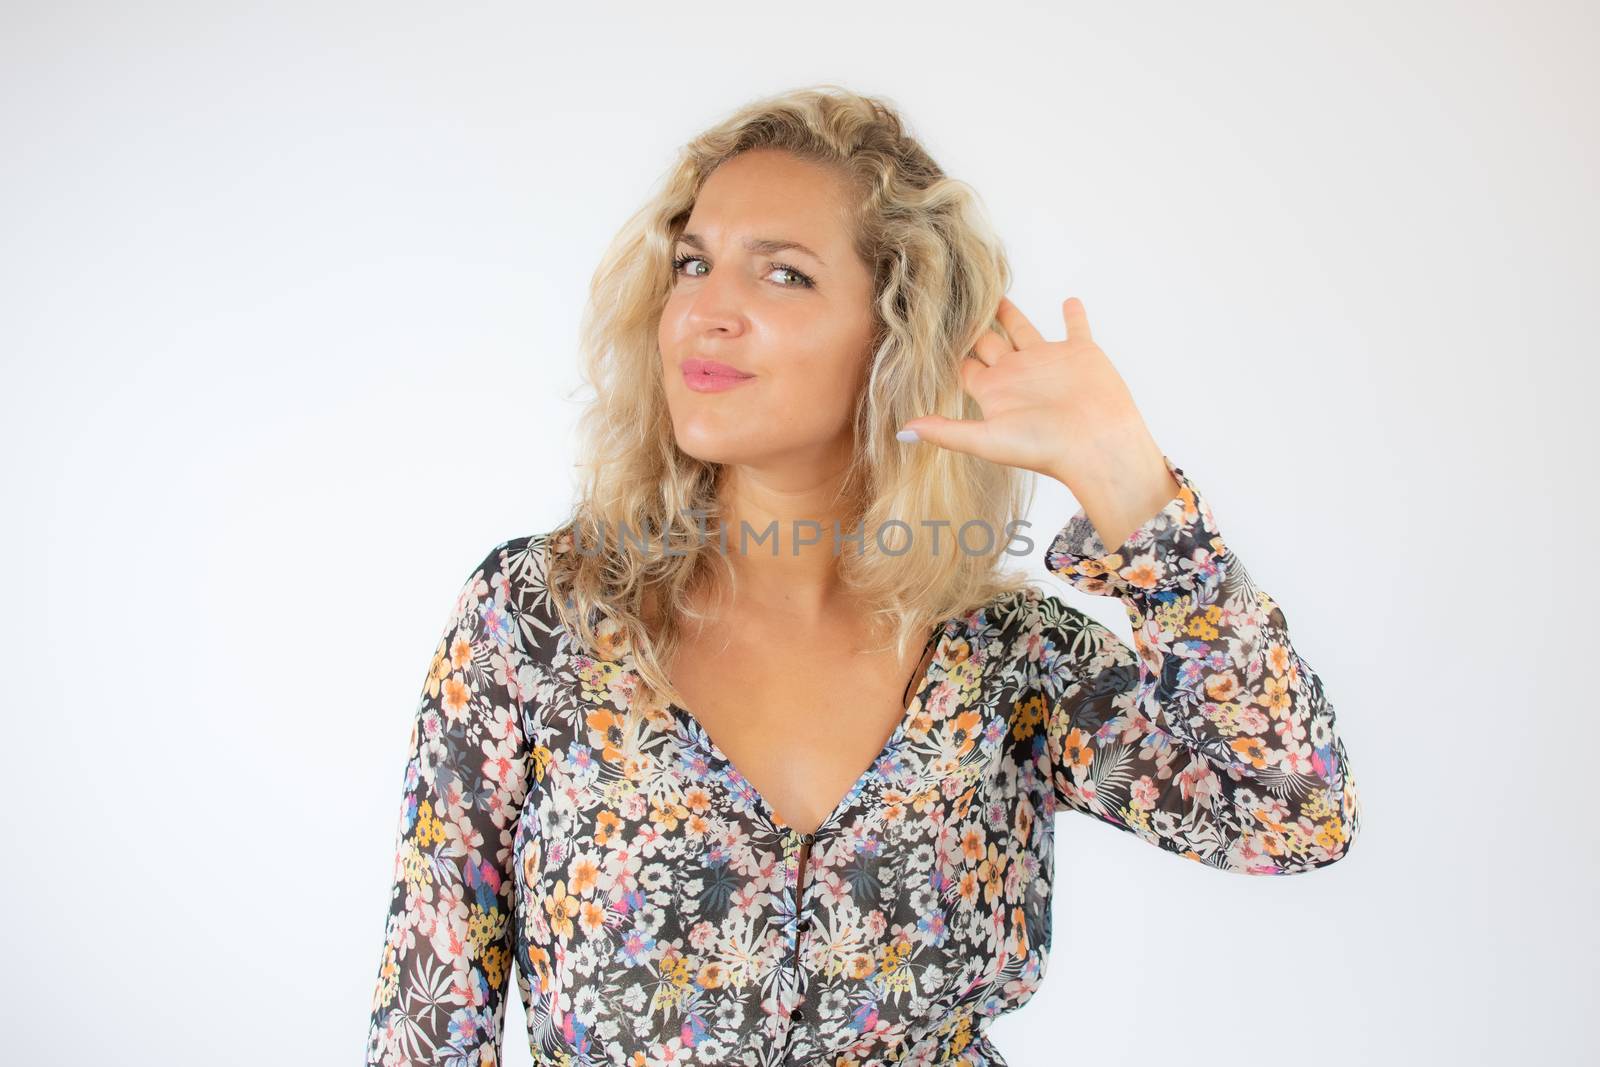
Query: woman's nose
point(717, 303)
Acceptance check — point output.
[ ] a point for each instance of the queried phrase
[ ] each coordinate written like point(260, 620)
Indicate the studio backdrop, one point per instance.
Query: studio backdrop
point(290, 342)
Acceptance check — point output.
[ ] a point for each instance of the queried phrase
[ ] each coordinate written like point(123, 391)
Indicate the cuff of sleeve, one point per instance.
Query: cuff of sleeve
point(1178, 546)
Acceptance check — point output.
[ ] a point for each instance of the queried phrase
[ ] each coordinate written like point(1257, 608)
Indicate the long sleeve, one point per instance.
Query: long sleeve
point(1211, 737)
point(447, 952)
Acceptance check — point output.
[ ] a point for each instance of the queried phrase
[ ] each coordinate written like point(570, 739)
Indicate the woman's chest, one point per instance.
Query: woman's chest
point(646, 855)
point(803, 724)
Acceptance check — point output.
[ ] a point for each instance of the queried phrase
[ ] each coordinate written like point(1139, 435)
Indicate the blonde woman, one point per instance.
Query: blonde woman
point(756, 759)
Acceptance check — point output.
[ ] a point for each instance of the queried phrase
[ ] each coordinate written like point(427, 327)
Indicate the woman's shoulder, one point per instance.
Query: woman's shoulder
point(1033, 615)
point(514, 575)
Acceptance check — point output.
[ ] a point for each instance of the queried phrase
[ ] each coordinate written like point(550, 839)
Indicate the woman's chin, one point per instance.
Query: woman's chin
point(717, 445)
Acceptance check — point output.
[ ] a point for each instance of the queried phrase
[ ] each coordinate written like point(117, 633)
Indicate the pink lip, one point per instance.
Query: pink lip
point(709, 376)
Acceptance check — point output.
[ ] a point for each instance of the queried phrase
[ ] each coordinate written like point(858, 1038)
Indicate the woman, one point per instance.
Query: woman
point(727, 885)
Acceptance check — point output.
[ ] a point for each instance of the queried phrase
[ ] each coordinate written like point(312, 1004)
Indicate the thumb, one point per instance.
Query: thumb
point(960, 435)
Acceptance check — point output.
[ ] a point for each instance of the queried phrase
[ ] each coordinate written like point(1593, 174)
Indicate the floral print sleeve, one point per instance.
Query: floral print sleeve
point(1212, 737)
point(448, 942)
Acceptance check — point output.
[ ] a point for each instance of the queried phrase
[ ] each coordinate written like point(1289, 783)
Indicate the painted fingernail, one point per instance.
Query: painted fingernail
point(907, 435)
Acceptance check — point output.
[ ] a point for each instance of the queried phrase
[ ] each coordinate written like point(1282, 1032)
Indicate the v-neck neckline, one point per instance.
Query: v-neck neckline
point(766, 810)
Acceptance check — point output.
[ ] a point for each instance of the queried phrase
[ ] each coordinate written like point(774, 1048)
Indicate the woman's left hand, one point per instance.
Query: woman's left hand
point(1061, 409)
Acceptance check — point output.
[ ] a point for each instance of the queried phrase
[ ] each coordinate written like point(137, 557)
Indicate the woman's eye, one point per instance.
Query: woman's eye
point(679, 261)
point(800, 280)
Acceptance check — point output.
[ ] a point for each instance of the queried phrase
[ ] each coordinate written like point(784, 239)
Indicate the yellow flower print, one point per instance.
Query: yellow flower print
point(460, 653)
point(417, 872)
point(893, 956)
point(901, 981)
point(495, 960)
point(484, 928)
point(539, 761)
point(1027, 716)
point(429, 830)
point(1275, 696)
point(388, 980)
point(596, 676)
point(592, 917)
point(675, 969)
point(1329, 834)
point(438, 671)
point(1204, 624)
point(561, 908)
point(1135, 817)
point(1316, 805)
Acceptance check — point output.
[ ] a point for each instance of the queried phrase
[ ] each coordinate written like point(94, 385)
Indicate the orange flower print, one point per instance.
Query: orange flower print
point(606, 824)
point(1223, 687)
point(964, 731)
point(1077, 751)
point(455, 698)
point(567, 830)
point(605, 733)
point(584, 874)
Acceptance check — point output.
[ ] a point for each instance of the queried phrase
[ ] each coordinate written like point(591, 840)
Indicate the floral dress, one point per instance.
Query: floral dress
point(560, 827)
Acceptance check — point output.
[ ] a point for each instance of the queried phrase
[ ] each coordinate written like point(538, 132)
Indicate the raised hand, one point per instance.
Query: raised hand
point(1061, 409)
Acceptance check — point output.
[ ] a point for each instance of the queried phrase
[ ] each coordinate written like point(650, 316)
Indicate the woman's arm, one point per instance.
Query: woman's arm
point(447, 953)
point(1212, 737)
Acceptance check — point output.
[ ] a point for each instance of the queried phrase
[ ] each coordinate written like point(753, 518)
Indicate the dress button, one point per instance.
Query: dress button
point(796, 1015)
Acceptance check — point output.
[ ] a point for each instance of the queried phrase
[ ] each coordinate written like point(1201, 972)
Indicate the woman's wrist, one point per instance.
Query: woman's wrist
point(1131, 485)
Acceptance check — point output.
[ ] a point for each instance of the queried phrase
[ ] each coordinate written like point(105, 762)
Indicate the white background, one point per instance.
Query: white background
point(290, 298)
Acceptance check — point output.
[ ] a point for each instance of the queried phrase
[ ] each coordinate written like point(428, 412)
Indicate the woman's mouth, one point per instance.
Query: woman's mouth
point(709, 376)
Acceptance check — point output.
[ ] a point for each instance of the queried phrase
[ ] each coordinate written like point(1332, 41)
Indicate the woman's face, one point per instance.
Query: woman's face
point(784, 331)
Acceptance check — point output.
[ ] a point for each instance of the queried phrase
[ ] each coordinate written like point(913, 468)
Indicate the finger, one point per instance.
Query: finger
point(991, 347)
point(959, 435)
point(1017, 325)
point(1077, 320)
point(971, 367)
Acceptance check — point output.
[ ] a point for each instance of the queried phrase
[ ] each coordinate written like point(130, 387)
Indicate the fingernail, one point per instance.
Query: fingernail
point(907, 435)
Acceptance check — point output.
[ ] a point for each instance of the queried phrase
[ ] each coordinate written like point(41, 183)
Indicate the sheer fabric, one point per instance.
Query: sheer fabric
point(561, 833)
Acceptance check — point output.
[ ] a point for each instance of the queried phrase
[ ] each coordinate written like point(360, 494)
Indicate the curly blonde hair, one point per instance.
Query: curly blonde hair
point(939, 273)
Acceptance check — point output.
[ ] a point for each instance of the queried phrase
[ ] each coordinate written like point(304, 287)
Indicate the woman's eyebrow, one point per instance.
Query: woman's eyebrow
point(762, 245)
